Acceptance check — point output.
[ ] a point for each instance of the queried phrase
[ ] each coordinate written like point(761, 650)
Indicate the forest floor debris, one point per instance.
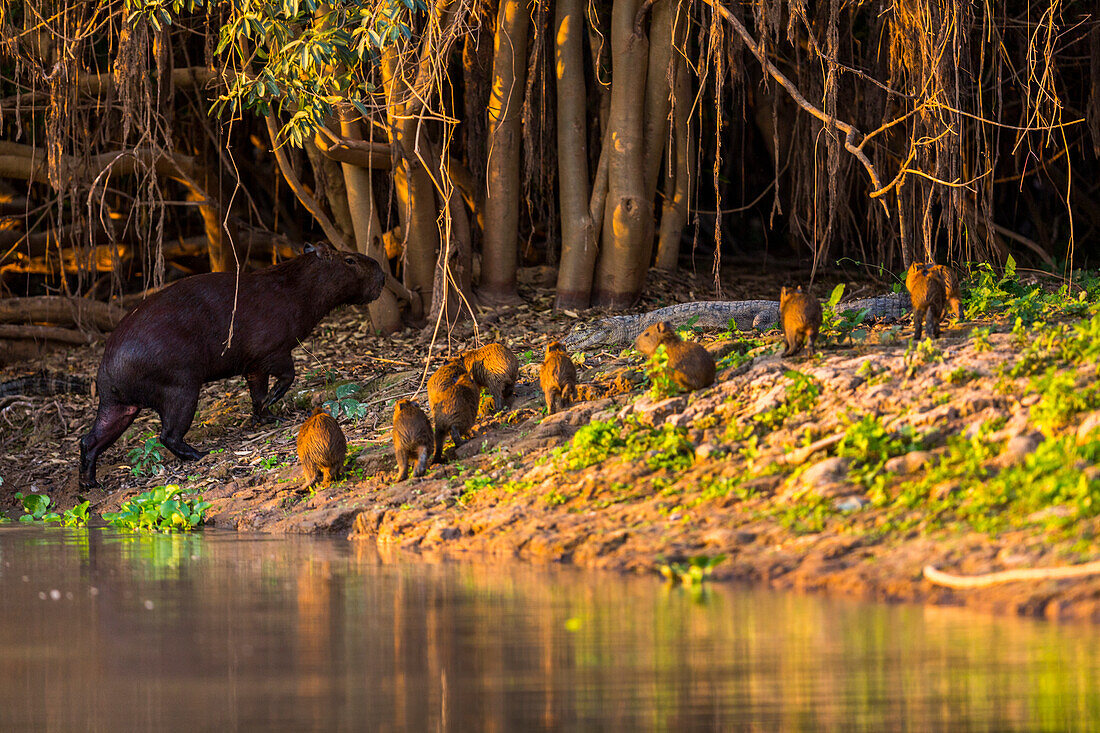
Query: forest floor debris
point(846, 472)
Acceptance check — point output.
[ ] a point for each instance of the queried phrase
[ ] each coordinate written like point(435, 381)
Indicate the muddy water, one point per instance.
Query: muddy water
point(227, 632)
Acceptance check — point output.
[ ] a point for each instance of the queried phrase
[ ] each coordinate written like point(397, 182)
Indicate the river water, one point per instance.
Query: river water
point(220, 631)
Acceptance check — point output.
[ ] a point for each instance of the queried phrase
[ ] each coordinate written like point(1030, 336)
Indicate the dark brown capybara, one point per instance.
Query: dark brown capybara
point(322, 449)
point(453, 397)
point(495, 368)
point(558, 378)
point(412, 438)
point(178, 339)
point(800, 316)
point(689, 364)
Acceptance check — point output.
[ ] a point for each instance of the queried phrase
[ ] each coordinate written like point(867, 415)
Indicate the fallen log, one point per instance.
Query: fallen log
point(46, 333)
point(717, 315)
point(61, 311)
point(44, 384)
point(950, 580)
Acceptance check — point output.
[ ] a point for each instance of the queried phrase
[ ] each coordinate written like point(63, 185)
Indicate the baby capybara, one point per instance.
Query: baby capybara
point(322, 449)
point(412, 438)
point(690, 365)
point(800, 315)
point(214, 326)
point(453, 397)
point(495, 368)
point(558, 378)
point(952, 294)
point(927, 293)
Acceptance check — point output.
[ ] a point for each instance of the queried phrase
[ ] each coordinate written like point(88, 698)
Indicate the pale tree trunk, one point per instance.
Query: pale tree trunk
point(385, 314)
point(681, 174)
point(658, 91)
point(578, 249)
point(413, 185)
point(627, 237)
point(501, 245)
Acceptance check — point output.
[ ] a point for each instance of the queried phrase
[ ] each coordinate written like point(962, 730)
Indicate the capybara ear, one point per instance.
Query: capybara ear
point(663, 327)
point(798, 288)
point(783, 292)
point(307, 248)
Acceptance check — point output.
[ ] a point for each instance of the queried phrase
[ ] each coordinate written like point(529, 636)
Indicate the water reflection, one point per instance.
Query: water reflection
point(225, 631)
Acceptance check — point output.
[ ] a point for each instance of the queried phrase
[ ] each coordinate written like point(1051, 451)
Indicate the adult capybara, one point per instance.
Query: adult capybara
point(412, 438)
point(322, 449)
point(689, 364)
point(495, 368)
point(214, 326)
point(558, 378)
point(800, 316)
point(928, 295)
point(452, 396)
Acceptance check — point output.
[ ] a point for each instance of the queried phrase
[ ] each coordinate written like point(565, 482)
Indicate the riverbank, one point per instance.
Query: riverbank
point(974, 453)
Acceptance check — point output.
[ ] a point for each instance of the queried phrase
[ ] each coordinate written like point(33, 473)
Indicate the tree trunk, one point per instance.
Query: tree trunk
point(658, 91)
point(627, 237)
point(501, 246)
point(415, 196)
point(578, 247)
point(682, 174)
point(330, 185)
point(223, 239)
point(452, 293)
point(385, 315)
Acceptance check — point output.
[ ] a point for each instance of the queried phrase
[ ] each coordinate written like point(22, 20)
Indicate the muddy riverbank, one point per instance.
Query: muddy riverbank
point(845, 472)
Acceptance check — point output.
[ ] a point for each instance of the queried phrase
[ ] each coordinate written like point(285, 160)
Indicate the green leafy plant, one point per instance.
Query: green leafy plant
point(36, 508)
point(843, 326)
point(868, 445)
point(661, 381)
point(345, 404)
point(693, 571)
point(148, 458)
point(163, 509)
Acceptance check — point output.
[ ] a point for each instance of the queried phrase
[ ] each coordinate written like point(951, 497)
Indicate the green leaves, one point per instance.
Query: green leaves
point(345, 404)
point(693, 571)
point(36, 509)
point(295, 57)
point(147, 459)
point(164, 509)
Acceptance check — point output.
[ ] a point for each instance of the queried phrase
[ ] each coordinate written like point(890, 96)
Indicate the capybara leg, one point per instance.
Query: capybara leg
point(555, 401)
point(498, 400)
point(421, 461)
point(326, 475)
point(456, 436)
point(111, 421)
point(509, 390)
point(934, 323)
point(257, 388)
point(402, 465)
point(918, 324)
point(284, 377)
point(811, 342)
point(176, 415)
point(788, 347)
point(548, 395)
point(440, 437)
point(310, 475)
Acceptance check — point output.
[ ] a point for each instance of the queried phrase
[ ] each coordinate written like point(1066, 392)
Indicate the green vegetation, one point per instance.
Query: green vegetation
point(842, 326)
point(800, 395)
point(148, 458)
point(661, 381)
point(36, 508)
point(163, 509)
point(692, 571)
point(344, 403)
point(867, 444)
point(665, 446)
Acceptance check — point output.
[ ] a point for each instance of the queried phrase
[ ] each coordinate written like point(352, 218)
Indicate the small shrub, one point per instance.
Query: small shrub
point(661, 382)
point(148, 458)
